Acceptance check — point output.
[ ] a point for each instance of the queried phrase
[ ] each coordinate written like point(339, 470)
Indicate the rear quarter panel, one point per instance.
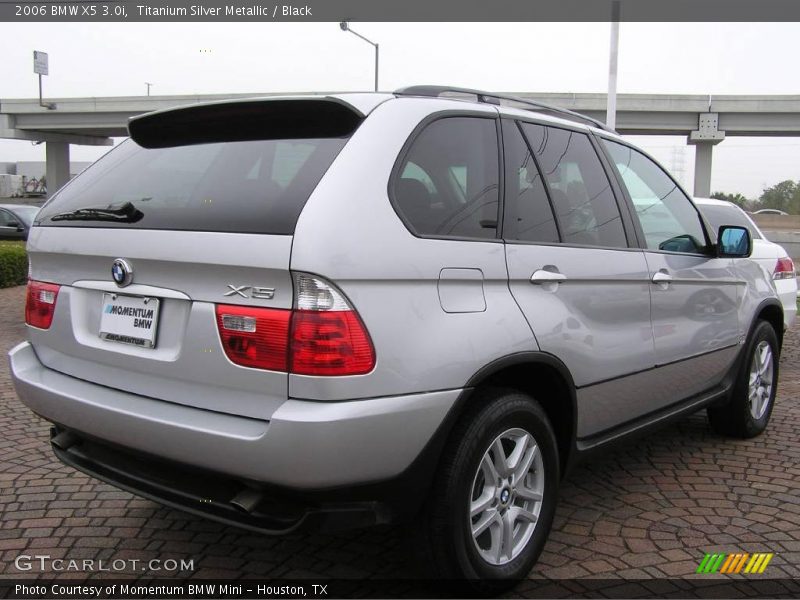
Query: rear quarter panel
point(350, 234)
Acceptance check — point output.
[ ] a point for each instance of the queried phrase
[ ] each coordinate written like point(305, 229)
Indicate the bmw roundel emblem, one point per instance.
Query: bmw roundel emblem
point(121, 272)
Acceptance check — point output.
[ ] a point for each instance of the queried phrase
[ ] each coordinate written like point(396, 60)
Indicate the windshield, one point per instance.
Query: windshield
point(248, 187)
point(718, 216)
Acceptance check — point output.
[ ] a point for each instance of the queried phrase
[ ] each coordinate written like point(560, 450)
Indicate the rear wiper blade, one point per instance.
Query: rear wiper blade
point(127, 213)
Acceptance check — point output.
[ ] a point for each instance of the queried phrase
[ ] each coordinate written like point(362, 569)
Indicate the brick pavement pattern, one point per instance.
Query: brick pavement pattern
point(648, 509)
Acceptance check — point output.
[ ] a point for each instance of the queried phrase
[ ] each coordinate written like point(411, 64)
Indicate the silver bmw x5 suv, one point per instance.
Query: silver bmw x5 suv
point(346, 310)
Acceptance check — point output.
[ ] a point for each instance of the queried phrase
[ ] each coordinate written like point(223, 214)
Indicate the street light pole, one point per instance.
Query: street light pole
point(148, 87)
point(611, 104)
point(345, 26)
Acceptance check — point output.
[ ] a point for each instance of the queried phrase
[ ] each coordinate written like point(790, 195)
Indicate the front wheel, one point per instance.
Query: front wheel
point(753, 396)
point(494, 498)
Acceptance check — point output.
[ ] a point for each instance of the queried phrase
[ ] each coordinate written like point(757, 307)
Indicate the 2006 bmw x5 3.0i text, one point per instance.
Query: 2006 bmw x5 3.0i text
point(338, 311)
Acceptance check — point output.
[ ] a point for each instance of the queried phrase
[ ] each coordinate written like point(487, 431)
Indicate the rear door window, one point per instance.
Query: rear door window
point(581, 193)
point(245, 186)
point(529, 216)
point(447, 184)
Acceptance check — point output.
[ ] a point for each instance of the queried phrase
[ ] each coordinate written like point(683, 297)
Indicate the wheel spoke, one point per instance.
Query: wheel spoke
point(765, 358)
point(496, 540)
point(753, 377)
point(489, 470)
point(483, 502)
point(525, 464)
point(508, 536)
point(520, 448)
point(528, 494)
point(524, 515)
point(488, 518)
point(500, 463)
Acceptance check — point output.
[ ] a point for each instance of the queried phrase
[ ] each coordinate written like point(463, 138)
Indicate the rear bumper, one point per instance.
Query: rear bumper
point(787, 292)
point(211, 495)
point(305, 446)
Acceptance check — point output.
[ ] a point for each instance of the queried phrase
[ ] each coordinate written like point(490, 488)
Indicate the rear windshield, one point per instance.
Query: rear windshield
point(718, 216)
point(243, 187)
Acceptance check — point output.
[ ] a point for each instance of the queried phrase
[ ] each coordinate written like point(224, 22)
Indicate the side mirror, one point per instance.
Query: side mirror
point(14, 224)
point(734, 242)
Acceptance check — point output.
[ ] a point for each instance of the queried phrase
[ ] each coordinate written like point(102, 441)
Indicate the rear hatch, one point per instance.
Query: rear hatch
point(197, 209)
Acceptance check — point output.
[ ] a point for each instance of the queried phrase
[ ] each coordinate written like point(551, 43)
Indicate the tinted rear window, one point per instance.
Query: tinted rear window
point(244, 187)
point(448, 181)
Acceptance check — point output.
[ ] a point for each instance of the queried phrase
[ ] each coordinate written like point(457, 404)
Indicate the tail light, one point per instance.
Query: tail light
point(784, 269)
point(328, 337)
point(254, 337)
point(321, 335)
point(40, 304)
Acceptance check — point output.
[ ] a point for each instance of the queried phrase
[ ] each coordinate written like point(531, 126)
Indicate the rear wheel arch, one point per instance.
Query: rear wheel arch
point(541, 376)
point(772, 313)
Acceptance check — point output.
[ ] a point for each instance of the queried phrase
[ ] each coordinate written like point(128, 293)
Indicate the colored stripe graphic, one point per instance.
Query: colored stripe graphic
point(710, 563)
point(758, 563)
point(731, 560)
point(703, 563)
point(766, 562)
point(734, 563)
point(741, 562)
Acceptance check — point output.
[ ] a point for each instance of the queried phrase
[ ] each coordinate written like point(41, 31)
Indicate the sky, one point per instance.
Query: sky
point(116, 59)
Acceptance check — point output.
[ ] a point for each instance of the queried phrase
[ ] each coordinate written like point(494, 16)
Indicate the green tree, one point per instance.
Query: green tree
point(738, 199)
point(781, 196)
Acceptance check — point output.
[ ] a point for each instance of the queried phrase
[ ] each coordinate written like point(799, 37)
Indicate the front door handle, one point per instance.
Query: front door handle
point(544, 276)
point(662, 277)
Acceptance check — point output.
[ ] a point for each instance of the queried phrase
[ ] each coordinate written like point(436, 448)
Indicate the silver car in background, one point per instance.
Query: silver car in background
point(421, 306)
point(773, 257)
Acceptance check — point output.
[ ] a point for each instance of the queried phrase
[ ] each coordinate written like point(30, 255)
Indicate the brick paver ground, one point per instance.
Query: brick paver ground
point(651, 508)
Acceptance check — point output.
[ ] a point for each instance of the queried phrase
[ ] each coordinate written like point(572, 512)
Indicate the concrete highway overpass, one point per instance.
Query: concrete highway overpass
point(703, 120)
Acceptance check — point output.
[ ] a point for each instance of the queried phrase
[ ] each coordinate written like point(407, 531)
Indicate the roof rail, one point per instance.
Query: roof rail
point(437, 91)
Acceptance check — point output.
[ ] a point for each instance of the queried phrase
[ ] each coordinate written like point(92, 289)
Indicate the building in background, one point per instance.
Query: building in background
point(26, 181)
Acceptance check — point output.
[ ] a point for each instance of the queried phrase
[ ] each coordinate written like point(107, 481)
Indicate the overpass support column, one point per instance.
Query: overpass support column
point(57, 154)
point(704, 139)
point(702, 169)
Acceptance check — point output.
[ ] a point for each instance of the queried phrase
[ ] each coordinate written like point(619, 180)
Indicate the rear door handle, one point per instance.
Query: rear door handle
point(544, 276)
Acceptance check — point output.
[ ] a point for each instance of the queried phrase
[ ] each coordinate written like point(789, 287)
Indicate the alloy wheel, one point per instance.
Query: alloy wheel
point(506, 496)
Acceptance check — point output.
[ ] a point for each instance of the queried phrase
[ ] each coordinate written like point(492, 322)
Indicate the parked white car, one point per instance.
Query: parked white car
point(768, 254)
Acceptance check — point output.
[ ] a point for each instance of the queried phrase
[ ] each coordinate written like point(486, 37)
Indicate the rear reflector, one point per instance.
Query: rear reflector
point(40, 305)
point(254, 337)
point(323, 335)
point(784, 269)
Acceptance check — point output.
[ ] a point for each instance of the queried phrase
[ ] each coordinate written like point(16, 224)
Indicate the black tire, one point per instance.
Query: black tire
point(736, 419)
point(445, 527)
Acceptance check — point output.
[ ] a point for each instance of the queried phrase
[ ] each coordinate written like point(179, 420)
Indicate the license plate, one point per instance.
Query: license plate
point(129, 320)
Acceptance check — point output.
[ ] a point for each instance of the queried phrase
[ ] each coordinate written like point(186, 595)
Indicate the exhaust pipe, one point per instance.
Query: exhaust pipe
point(247, 500)
point(65, 440)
